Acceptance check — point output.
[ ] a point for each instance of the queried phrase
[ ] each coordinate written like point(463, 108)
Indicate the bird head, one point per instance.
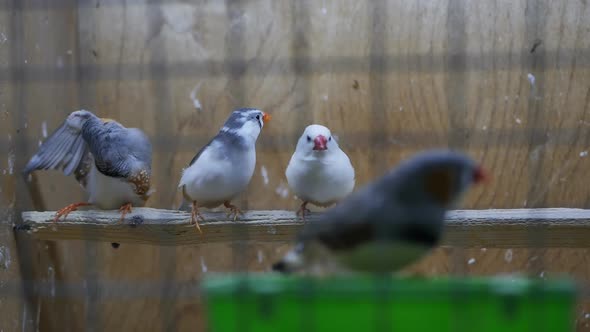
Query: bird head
point(440, 177)
point(77, 119)
point(316, 139)
point(246, 122)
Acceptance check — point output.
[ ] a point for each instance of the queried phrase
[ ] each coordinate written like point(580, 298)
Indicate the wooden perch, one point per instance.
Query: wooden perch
point(465, 228)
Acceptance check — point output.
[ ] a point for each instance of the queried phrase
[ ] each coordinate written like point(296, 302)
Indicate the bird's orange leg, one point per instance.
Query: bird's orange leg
point(303, 210)
point(232, 209)
point(195, 216)
point(124, 209)
point(65, 211)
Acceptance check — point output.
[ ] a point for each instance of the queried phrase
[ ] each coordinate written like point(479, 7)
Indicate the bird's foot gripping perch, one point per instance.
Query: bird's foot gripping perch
point(303, 210)
point(124, 209)
point(233, 210)
point(66, 210)
point(195, 216)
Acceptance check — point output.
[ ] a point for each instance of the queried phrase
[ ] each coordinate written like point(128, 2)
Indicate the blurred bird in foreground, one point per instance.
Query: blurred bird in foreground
point(319, 172)
point(391, 222)
point(222, 169)
point(112, 163)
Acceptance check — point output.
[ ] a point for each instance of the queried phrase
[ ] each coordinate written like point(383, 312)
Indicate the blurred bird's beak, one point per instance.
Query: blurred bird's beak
point(105, 120)
point(320, 143)
point(480, 175)
point(266, 117)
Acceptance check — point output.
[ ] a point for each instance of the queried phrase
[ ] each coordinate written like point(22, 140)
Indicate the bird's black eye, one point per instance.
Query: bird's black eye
point(258, 117)
point(308, 138)
point(329, 139)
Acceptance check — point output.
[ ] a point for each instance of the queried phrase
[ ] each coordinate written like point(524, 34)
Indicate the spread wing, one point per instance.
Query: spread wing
point(65, 149)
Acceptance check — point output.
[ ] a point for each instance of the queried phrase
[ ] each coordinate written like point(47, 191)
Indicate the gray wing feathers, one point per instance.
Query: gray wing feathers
point(119, 151)
point(63, 149)
point(80, 149)
point(360, 209)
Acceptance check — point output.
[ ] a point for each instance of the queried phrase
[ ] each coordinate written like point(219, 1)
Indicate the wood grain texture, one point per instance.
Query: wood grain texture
point(389, 78)
point(510, 228)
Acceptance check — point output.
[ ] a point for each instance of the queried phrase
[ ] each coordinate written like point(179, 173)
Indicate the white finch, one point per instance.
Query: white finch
point(391, 222)
point(222, 169)
point(319, 172)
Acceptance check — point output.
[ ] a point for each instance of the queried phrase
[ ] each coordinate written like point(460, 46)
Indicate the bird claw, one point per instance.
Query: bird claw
point(66, 210)
point(233, 210)
point(303, 211)
point(195, 216)
point(124, 209)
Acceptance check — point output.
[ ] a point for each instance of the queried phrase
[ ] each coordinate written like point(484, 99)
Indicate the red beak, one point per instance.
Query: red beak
point(320, 143)
point(480, 175)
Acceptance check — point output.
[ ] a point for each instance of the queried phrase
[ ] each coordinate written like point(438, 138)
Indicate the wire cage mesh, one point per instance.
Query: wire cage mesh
point(506, 82)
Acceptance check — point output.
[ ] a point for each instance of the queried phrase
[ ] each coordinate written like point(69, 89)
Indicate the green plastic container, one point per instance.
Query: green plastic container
point(269, 302)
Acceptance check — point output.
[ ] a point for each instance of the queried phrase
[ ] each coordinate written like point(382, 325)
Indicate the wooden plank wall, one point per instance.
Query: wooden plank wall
point(506, 81)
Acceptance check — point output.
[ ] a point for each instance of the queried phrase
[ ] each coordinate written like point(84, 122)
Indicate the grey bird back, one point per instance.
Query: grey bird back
point(118, 151)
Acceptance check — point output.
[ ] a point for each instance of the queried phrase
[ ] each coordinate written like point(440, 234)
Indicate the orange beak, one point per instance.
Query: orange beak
point(265, 117)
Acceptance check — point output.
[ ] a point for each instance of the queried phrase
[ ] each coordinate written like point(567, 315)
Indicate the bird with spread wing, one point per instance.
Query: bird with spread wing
point(111, 162)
